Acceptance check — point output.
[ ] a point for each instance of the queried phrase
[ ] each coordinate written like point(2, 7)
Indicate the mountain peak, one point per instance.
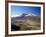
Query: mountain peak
point(31, 14)
point(24, 14)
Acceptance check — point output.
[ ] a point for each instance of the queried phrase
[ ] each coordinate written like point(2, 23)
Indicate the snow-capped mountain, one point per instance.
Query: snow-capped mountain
point(24, 15)
point(31, 14)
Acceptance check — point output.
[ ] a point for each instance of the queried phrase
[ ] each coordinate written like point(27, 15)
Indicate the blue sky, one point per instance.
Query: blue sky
point(18, 10)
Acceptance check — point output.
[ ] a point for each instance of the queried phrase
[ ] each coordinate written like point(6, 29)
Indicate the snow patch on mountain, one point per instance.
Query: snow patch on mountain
point(15, 15)
point(31, 14)
point(24, 15)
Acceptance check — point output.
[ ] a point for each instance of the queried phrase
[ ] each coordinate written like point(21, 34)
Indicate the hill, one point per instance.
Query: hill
point(26, 22)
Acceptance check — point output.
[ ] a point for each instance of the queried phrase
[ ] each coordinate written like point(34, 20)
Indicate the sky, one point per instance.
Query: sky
point(19, 10)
